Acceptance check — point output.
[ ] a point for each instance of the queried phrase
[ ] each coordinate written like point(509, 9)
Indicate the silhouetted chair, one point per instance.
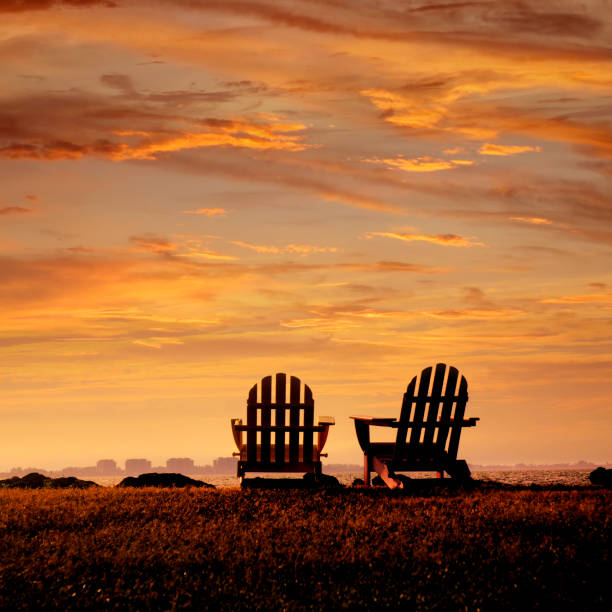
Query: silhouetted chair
point(428, 430)
point(284, 443)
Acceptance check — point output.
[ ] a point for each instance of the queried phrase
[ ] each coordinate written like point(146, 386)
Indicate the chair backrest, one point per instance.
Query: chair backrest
point(429, 406)
point(292, 407)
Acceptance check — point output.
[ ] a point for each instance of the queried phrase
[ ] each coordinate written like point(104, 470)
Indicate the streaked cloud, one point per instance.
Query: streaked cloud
point(475, 313)
point(14, 210)
point(298, 249)
point(533, 220)
point(10, 6)
point(258, 248)
point(308, 249)
point(421, 164)
point(191, 249)
point(209, 212)
point(442, 239)
point(505, 150)
point(82, 124)
point(155, 244)
point(592, 298)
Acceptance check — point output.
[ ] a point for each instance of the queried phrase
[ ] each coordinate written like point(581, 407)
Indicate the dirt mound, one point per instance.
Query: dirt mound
point(601, 476)
point(40, 481)
point(162, 480)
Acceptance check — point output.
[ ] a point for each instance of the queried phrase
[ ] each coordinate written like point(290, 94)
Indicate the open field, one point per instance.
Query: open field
point(489, 548)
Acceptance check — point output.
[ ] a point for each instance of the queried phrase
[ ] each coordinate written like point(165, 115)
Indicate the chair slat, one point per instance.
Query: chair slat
point(419, 409)
point(279, 436)
point(405, 418)
point(294, 418)
point(455, 435)
point(266, 417)
point(252, 420)
point(308, 422)
point(448, 402)
point(434, 404)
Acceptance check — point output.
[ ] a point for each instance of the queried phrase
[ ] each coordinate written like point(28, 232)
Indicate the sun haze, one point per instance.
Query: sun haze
point(197, 194)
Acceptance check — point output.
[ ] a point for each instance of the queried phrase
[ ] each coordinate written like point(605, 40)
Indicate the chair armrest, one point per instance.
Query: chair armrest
point(378, 421)
point(237, 432)
point(325, 422)
point(273, 428)
point(362, 428)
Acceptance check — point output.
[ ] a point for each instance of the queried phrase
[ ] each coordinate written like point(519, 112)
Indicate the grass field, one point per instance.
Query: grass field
point(263, 549)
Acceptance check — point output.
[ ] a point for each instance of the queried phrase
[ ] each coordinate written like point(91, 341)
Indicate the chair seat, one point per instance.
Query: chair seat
point(416, 454)
point(300, 457)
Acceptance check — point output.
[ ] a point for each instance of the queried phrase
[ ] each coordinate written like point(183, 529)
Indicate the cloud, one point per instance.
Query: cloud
point(209, 212)
point(152, 145)
point(18, 6)
point(421, 164)
point(442, 239)
point(574, 207)
point(73, 125)
point(298, 249)
point(463, 110)
point(344, 267)
point(308, 249)
point(332, 182)
point(258, 248)
point(207, 255)
point(475, 313)
point(533, 220)
point(503, 150)
point(14, 210)
point(122, 82)
point(154, 244)
point(593, 298)
point(470, 24)
point(189, 249)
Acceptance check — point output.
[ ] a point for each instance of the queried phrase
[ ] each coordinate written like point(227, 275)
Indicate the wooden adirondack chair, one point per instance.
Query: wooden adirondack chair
point(287, 445)
point(428, 430)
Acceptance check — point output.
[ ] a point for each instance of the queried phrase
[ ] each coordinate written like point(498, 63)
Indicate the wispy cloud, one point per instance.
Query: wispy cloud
point(207, 255)
point(308, 249)
point(189, 249)
point(16, 6)
point(442, 239)
point(592, 298)
point(79, 125)
point(505, 150)
point(14, 210)
point(154, 244)
point(209, 212)
point(420, 164)
point(258, 248)
point(298, 249)
point(533, 220)
point(476, 313)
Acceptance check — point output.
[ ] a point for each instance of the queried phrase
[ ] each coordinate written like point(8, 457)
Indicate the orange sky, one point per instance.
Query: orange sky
point(196, 194)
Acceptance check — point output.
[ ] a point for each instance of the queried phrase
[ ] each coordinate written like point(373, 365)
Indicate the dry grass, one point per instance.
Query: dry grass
point(232, 549)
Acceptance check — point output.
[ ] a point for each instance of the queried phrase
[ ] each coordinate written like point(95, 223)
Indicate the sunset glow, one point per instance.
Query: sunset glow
point(197, 194)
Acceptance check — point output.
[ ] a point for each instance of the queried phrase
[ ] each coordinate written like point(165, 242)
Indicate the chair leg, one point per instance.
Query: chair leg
point(366, 470)
point(459, 470)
